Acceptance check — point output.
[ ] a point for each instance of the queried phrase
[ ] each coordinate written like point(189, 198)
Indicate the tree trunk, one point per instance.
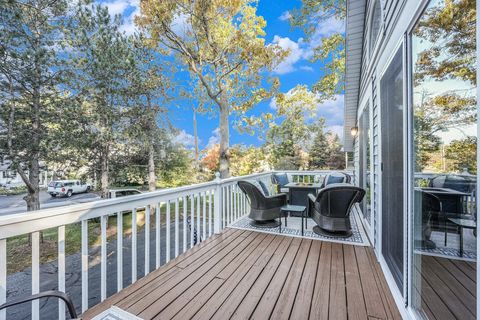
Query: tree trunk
point(152, 179)
point(33, 197)
point(104, 173)
point(224, 142)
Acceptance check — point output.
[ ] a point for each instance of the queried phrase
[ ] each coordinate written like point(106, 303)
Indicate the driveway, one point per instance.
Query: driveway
point(16, 204)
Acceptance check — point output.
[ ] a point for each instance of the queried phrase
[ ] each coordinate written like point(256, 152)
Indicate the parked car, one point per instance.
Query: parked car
point(117, 193)
point(67, 187)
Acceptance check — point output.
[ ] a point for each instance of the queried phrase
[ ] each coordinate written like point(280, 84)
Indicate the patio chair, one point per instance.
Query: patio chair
point(280, 180)
point(428, 204)
point(46, 294)
point(330, 209)
point(264, 210)
point(336, 177)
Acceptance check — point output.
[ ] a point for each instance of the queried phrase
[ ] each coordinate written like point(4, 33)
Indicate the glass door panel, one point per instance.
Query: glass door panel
point(443, 283)
point(392, 106)
point(365, 147)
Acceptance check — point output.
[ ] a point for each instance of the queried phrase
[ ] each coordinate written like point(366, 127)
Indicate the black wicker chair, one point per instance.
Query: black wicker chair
point(264, 210)
point(336, 177)
point(427, 204)
point(330, 209)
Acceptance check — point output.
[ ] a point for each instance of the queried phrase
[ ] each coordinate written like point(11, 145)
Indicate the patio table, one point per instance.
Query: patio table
point(463, 223)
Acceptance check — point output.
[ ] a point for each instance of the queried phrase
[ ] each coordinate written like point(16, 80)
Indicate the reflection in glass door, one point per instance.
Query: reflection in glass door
point(392, 106)
point(365, 147)
point(443, 277)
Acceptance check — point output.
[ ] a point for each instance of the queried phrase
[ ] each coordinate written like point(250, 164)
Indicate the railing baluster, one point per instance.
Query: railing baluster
point(199, 235)
point(61, 270)
point(84, 265)
point(119, 251)
point(230, 190)
point(134, 245)
point(35, 273)
point(158, 226)
point(234, 202)
point(204, 228)
point(147, 240)
point(103, 257)
point(210, 199)
point(167, 242)
point(192, 219)
point(177, 231)
point(3, 276)
point(184, 203)
point(224, 211)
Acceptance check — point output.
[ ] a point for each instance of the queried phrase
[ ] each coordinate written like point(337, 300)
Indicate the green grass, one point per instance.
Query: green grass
point(19, 247)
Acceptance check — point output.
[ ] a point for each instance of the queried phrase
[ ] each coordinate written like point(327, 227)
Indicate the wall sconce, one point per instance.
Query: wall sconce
point(354, 131)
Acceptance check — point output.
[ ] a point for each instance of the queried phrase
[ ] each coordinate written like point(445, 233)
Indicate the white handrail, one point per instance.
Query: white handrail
point(211, 205)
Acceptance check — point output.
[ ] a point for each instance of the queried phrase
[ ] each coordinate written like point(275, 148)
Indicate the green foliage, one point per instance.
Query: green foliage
point(222, 44)
point(462, 154)
point(331, 50)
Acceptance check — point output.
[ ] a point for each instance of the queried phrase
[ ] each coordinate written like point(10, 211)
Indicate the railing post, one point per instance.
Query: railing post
point(217, 214)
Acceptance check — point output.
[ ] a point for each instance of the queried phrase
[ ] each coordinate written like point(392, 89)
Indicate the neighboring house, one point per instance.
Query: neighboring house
point(12, 178)
point(405, 73)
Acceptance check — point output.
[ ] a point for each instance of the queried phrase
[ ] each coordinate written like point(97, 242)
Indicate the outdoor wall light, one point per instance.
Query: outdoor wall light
point(354, 131)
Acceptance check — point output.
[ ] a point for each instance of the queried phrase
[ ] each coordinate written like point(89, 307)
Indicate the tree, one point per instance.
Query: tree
point(223, 46)
point(102, 59)
point(331, 49)
point(31, 71)
point(288, 141)
point(248, 160)
point(318, 152)
point(149, 88)
point(462, 154)
point(448, 33)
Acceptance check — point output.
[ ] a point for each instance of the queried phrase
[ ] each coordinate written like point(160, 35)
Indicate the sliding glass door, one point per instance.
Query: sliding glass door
point(365, 148)
point(444, 137)
point(392, 145)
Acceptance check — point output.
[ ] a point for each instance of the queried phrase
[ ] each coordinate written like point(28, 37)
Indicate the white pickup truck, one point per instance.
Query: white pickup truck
point(67, 187)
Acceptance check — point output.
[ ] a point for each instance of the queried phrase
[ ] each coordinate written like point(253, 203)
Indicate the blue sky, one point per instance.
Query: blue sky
point(296, 69)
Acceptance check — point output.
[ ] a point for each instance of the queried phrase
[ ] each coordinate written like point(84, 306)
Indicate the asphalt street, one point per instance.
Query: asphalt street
point(16, 204)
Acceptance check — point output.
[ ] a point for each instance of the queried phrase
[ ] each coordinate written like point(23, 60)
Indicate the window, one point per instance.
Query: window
point(444, 160)
point(391, 111)
point(375, 24)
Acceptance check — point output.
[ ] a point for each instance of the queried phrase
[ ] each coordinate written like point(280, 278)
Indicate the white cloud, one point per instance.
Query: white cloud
point(324, 29)
point(296, 52)
point(128, 9)
point(338, 130)
point(301, 50)
point(306, 68)
point(332, 110)
point(285, 16)
point(185, 138)
point(214, 138)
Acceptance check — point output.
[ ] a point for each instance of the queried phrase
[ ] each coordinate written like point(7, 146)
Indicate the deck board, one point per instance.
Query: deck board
point(447, 289)
point(248, 275)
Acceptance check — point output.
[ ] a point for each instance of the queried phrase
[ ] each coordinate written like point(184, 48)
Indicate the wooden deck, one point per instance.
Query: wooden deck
point(249, 275)
point(448, 288)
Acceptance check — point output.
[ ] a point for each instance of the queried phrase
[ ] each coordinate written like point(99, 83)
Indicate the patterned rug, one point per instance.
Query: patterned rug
point(294, 229)
point(452, 249)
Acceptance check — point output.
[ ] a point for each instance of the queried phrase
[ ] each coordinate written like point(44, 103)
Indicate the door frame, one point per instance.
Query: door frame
point(369, 225)
point(401, 294)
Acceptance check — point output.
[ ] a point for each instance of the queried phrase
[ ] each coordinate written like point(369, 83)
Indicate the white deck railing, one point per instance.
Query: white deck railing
point(209, 207)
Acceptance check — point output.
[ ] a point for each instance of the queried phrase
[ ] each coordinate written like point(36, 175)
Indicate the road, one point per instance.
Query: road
point(16, 204)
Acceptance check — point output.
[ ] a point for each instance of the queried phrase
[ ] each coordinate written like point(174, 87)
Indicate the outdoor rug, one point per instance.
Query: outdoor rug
point(294, 229)
point(452, 250)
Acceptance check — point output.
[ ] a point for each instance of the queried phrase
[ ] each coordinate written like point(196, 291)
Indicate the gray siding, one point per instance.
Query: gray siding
point(354, 46)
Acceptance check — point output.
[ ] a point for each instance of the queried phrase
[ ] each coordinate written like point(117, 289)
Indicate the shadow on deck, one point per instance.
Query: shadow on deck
point(243, 274)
